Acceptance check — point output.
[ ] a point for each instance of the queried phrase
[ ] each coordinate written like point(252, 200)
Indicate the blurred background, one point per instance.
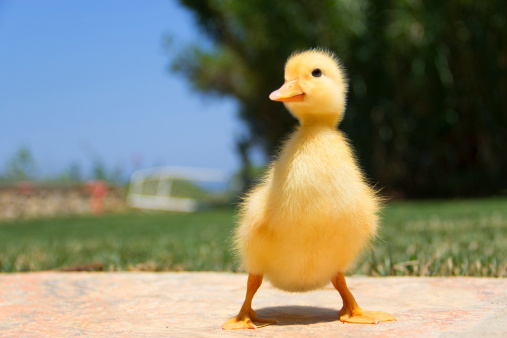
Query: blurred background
point(94, 91)
point(86, 90)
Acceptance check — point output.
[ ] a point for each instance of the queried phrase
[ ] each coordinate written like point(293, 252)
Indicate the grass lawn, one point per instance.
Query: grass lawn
point(437, 238)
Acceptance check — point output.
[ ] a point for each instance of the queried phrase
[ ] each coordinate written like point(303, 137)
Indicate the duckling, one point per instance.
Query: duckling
point(312, 214)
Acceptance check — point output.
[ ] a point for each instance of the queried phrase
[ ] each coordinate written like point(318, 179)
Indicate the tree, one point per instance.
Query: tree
point(21, 166)
point(427, 109)
point(74, 172)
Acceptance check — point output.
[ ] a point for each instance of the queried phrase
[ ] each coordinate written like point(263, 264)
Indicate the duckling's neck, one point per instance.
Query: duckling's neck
point(319, 121)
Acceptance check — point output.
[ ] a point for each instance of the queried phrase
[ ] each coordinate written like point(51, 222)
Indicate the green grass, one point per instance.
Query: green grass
point(122, 242)
point(433, 238)
point(441, 238)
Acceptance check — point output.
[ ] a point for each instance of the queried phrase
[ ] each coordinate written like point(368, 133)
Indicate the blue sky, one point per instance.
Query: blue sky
point(85, 79)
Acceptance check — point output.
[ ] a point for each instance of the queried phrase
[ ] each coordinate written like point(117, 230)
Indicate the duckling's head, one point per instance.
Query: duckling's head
point(315, 87)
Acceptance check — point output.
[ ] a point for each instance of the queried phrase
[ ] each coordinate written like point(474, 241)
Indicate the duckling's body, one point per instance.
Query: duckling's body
point(311, 216)
point(313, 213)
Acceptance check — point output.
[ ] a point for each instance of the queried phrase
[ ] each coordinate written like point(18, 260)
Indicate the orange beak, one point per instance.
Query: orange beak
point(289, 92)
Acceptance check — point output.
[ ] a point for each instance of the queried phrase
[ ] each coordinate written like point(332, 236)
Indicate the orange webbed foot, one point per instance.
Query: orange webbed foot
point(359, 316)
point(238, 323)
point(246, 321)
point(351, 312)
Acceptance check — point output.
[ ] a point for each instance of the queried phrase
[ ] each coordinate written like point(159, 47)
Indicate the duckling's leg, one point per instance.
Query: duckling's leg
point(351, 312)
point(246, 316)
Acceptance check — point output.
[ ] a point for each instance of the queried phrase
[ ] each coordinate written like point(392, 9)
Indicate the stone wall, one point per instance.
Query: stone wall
point(27, 200)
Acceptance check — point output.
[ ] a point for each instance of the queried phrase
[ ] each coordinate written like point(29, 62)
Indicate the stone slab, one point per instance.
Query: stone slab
point(195, 304)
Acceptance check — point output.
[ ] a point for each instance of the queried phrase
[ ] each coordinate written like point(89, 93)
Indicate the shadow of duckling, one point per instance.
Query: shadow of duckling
point(298, 315)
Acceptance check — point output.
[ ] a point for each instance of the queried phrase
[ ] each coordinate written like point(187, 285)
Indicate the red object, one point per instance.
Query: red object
point(25, 187)
point(98, 190)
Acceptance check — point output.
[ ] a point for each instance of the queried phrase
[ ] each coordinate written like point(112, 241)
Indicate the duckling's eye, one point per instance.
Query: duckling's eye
point(316, 72)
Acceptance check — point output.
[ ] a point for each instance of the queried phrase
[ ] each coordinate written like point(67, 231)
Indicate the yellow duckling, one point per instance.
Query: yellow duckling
point(313, 213)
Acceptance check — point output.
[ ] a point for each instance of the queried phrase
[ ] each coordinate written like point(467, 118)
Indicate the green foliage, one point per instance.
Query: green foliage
point(101, 172)
point(21, 166)
point(74, 173)
point(437, 238)
point(428, 96)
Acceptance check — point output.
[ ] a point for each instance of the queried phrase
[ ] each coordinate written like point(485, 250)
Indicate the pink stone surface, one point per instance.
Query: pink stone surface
point(51, 304)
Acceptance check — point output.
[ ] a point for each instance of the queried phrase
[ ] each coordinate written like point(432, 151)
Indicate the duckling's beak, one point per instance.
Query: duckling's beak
point(289, 92)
